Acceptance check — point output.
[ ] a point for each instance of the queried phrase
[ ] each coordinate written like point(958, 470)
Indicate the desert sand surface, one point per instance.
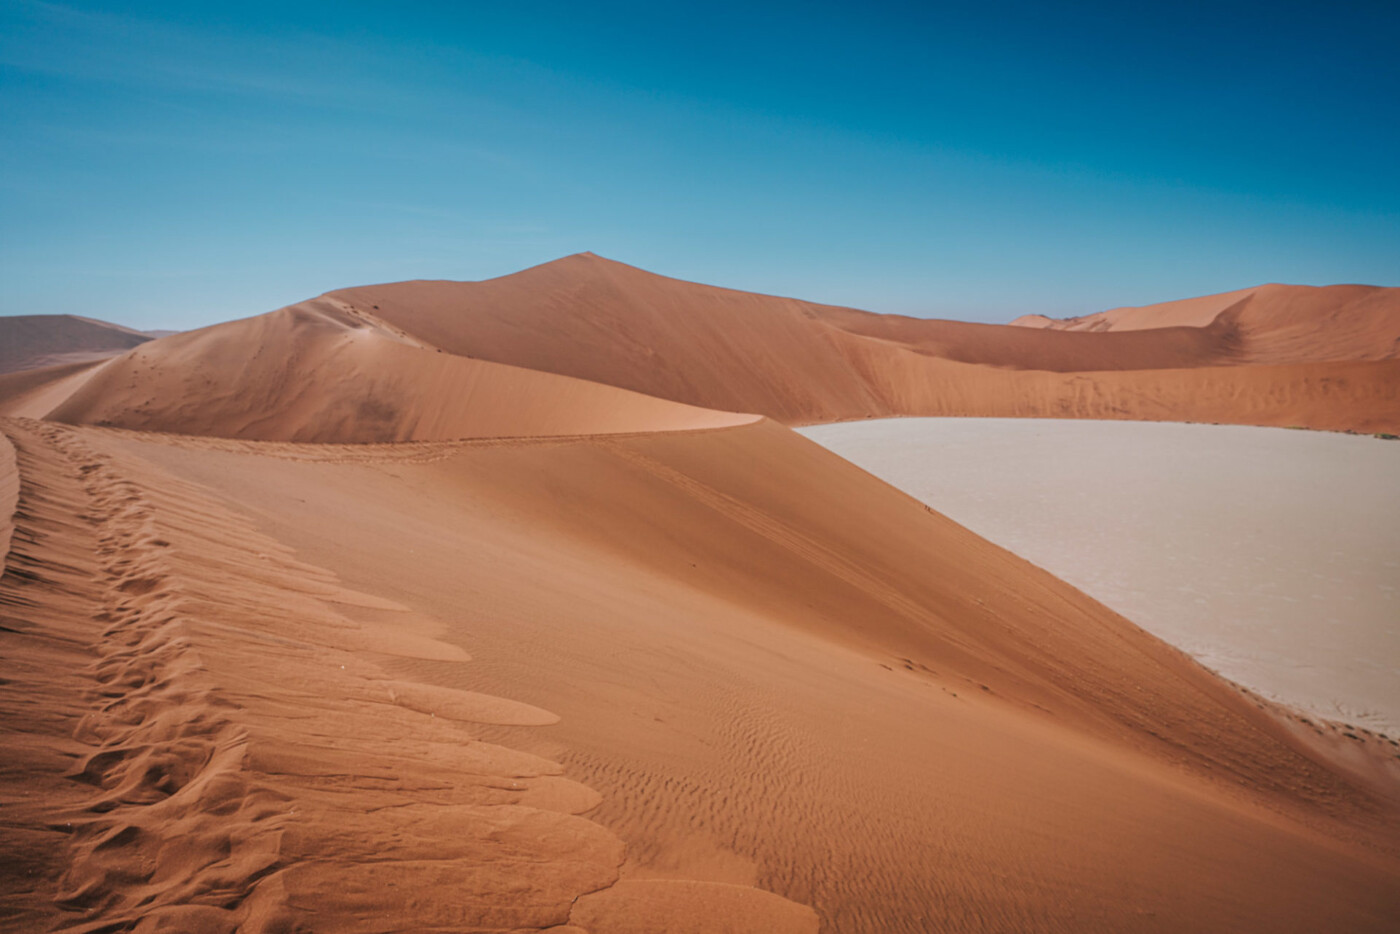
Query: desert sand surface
point(34, 341)
point(1270, 324)
point(1280, 355)
point(515, 606)
point(701, 680)
point(1272, 556)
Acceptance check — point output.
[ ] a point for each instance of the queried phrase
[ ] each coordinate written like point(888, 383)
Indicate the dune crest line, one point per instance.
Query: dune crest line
point(235, 759)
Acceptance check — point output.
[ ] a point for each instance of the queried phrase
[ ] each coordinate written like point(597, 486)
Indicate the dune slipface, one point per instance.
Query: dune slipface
point(819, 690)
point(413, 361)
point(32, 341)
point(1276, 355)
point(475, 607)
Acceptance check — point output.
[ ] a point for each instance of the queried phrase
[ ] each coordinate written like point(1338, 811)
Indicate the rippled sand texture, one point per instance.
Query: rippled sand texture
point(820, 694)
point(1273, 556)
point(203, 734)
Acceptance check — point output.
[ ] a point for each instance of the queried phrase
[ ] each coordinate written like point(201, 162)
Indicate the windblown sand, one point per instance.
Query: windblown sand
point(1273, 556)
point(483, 607)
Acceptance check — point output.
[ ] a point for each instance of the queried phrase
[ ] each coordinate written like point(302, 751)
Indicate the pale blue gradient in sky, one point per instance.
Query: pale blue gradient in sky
point(177, 164)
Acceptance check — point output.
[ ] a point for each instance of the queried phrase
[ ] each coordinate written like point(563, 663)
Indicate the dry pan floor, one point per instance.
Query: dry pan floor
point(717, 681)
point(1273, 556)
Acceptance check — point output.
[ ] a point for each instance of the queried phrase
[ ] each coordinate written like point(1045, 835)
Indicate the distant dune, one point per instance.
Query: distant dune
point(800, 362)
point(31, 341)
point(1268, 324)
point(1277, 355)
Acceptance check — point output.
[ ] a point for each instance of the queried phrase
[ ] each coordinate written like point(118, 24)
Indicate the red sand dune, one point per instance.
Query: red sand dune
point(32, 341)
point(1269, 324)
point(359, 364)
point(625, 661)
point(800, 362)
point(317, 371)
point(783, 683)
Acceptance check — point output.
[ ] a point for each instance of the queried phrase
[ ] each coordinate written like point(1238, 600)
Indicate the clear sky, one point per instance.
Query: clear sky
point(177, 164)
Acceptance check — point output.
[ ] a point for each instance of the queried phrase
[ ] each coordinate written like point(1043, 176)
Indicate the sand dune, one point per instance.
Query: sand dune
point(33, 341)
point(561, 642)
point(319, 372)
point(205, 734)
point(1270, 324)
point(801, 362)
point(777, 675)
point(358, 364)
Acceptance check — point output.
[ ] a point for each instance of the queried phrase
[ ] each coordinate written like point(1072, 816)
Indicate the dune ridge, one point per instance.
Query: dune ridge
point(239, 760)
point(594, 602)
point(777, 672)
point(1272, 323)
point(322, 371)
point(432, 360)
point(1284, 355)
point(34, 341)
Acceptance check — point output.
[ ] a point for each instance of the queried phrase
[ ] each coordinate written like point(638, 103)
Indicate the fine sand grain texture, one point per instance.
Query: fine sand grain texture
point(204, 734)
point(777, 674)
point(1272, 556)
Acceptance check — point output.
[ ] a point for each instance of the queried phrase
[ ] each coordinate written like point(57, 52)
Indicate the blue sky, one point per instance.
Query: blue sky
point(172, 165)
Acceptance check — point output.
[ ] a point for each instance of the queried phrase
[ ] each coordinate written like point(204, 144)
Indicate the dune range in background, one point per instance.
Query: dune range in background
point(1326, 358)
point(32, 341)
point(561, 643)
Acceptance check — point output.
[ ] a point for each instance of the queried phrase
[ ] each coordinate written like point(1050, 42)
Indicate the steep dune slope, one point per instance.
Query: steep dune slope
point(422, 360)
point(319, 372)
point(32, 341)
point(800, 362)
point(823, 689)
point(202, 736)
point(603, 321)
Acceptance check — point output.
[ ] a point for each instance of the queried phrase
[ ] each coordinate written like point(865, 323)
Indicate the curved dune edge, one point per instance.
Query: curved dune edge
point(326, 372)
point(824, 687)
point(203, 753)
point(32, 341)
point(1276, 355)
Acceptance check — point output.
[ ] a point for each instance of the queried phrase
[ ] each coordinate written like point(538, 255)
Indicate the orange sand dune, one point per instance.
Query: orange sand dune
point(800, 362)
point(562, 644)
point(31, 341)
point(319, 372)
point(1271, 324)
point(780, 683)
point(412, 360)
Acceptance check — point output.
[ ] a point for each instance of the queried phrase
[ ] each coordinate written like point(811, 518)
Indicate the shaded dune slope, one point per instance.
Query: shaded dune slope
point(439, 360)
point(1271, 324)
point(318, 371)
point(820, 688)
point(720, 679)
point(800, 362)
point(31, 341)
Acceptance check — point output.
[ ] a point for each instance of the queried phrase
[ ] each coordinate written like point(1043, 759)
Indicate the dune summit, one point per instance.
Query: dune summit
point(1277, 355)
point(515, 606)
